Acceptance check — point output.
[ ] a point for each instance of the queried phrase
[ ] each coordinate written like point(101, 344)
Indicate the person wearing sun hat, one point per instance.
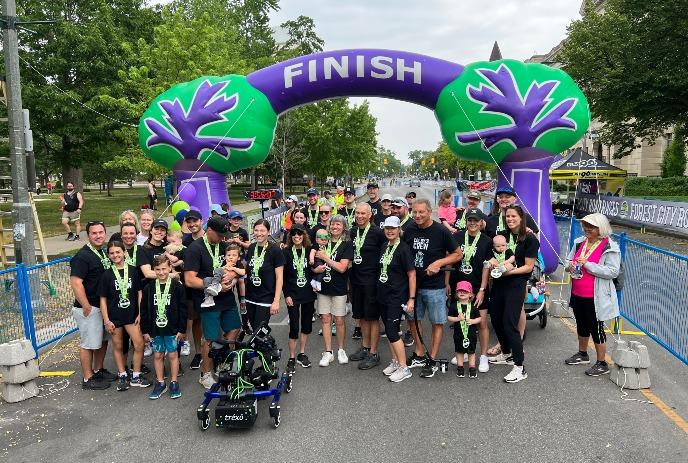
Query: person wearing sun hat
point(594, 262)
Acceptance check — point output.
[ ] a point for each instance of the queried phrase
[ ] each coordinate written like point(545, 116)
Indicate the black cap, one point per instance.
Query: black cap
point(349, 191)
point(193, 215)
point(159, 223)
point(372, 185)
point(297, 226)
point(219, 225)
point(475, 214)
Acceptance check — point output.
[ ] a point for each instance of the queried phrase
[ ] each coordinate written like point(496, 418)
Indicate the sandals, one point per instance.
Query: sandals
point(494, 350)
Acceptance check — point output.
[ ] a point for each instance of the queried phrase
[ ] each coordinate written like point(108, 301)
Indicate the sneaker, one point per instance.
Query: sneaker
point(509, 360)
point(360, 354)
point(302, 359)
point(357, 333)
point(326, 359)
point(429, 369)
point(196, 362)
point(400, 374)
point(291, 365)
point(209, 301)
point(369, 362)
point(516, 374)
point(140, 381)
point(460, 372)
point(391, 368)
point(213, 290)
point(408, 339)
point(578, 359)
point(342, 357)
point(415, 361)
point(104, 375)
point(158, 390)
point(148, 349)
point(598, 369)
point(499, 359)
point(123, 383)
point(186, 349)
point(76, 238)
point(484, 365)
point(70, 236)
point(207, 380)
point(472, 373)
point(95, 384)
point(175, 392)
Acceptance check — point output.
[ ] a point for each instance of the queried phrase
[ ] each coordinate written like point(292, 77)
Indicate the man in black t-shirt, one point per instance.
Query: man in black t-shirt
point(433, 248)
point(495, 222)
point(87, 266)
point(194, 223)
point(385, 210)
point(400, 208)
point(311, 209)
point(348, 209)
point(373, 198)
point(368, 240)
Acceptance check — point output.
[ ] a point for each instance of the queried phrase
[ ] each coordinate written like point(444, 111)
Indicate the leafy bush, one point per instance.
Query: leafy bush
point(654, 186)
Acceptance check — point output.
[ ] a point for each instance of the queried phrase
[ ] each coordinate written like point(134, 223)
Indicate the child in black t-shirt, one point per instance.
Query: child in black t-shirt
point(321, 240)
point(163, 321)
point(466, 319)
point(504, 258)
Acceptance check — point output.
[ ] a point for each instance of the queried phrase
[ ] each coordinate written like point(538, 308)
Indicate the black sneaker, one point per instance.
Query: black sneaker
point(408, 339)
point(104, 375)
point(94, 384)
point(429, 369)
point(76, 237)
point(460, 372)
point(302, 359)
point(196, 362)
point(357, 333)
point(415, 361)
point(371, 361)
point(598, 369)
point(577, 359)
point(70, 236)
point(472, 372)
point(123, 383)
point(360, 354)
point(291, 364)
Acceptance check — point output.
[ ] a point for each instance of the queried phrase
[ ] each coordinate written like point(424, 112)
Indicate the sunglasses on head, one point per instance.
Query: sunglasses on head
point(94, 222)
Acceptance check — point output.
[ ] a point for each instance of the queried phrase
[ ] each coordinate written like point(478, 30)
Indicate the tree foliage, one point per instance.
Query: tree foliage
point(674, 159)
point(632, 63)
point(443, 161)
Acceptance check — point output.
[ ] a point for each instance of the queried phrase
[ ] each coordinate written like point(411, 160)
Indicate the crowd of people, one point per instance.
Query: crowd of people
point(164, 294)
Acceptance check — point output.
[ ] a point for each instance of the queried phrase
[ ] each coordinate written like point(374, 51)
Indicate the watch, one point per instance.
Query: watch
point(481, 289)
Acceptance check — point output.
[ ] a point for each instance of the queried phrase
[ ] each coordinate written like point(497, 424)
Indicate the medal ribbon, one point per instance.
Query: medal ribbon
point(466, 317)
point(161, 300)
point(330, 251)
point(122, 281)
point(387, 257)
point(131, 259)
point(214, 254)
point(500, 256)
point(462, 221)
point(313, 219)
point(585, 252)
point(300, 263)
point(358, 242)
point(408, 216)
point(469, 249)
point(500, 224)
point(512, 243)
point(104, 259)
point(350, 217)
point(258, 258)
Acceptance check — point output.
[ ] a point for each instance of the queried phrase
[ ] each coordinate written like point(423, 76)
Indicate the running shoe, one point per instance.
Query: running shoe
point(342, 357)
point(391, 368)
point(139, 381)
point(186, 349)
point(94, 384)
point(158, 390)
point(357, 333)
point(291, 365)
point(598, 369)
point(484, 365)
point(453, 359)
point(472, 373)
point(499, 359)
point(326, 359)
point(123, 383)
point(400, 374)
point(175, 392)
point(578, 359)
point(196, 362)
point(516, 374)
point(460, 372)
point(70, 236)
point(360, 354)
point(429, 369)
point(207, 380)
point(371, 361)
point(302, 359)
point(415, 361)
point(408, 339)
point(104, 375)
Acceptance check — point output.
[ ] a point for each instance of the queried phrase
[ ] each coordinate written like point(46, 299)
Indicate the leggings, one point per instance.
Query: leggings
point(391, 316)
point(587, 323)
point(506, 303)
point(304, 312)
point(257, 314)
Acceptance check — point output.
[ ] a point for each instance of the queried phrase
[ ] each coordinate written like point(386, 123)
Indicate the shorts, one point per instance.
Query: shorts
point(72, 216)
point(434, 301)
point(215, 323)
point(165, 344)
point(90, 328)
point(335, 305)
point(364, 302)
point(587, 323)
point(191, 313)
point(458, 340)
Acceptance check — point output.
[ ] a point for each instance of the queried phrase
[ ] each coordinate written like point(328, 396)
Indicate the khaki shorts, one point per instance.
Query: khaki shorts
point(72, 216)
point(91, 329)
point(335, 305)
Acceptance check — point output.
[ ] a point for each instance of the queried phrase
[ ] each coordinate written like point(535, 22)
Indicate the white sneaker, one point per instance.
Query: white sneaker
point(516, 374)
point(342, 358)
point(209, 301)
point(499, 359)
point(207, 380)
point(401, 374)
point(326, 359)
point(186, 349)
point(453, 359)
point(213, 290)
point(148, 349)
point(484, 366)
point(391, 368)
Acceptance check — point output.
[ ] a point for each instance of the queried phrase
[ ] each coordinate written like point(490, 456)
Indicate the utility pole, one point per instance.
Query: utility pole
point(22, 216)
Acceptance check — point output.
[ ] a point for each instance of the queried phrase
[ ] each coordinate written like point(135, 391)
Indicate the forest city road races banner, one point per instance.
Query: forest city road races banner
point(668, 215)
point(273, 216)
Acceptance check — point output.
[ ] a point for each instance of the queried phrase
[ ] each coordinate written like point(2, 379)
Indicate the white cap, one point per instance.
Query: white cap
point(293, 198)
point(400, 201)
point(387, 197)
point(392, 221)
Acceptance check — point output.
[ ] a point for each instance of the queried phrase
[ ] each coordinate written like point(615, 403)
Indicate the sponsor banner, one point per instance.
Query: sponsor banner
point(273, 216)
point(667, 215)
point(483, 186)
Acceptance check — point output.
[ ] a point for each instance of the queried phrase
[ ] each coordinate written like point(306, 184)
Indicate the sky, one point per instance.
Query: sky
point(461, 31)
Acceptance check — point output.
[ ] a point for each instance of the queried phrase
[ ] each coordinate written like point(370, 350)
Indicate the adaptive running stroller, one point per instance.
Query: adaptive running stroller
point(244, 373)
point(537, 299)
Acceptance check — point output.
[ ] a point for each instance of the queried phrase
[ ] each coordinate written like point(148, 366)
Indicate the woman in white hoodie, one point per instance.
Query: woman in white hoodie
point(594, 262)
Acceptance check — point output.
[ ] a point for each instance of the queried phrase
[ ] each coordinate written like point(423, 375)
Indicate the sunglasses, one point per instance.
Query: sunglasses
point(296, 232)
point(324, 212)
point(395, 207)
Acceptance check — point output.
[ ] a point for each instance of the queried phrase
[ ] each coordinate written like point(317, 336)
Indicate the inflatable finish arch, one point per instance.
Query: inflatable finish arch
point(515, 114)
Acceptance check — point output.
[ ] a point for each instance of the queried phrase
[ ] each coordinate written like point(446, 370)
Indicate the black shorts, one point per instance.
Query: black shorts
point(587, 323)
point(364, 303)
point(391, 317)
point(123, 317)
point(458, 340)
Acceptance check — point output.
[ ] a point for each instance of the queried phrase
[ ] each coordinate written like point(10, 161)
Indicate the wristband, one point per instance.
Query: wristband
point(412, 298)
point(481, 289)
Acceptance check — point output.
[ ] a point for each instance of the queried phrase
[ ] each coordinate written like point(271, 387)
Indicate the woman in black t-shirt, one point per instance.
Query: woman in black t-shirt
point(298, 294)
point(264, 276)
point(508, 293)
point(154, 246)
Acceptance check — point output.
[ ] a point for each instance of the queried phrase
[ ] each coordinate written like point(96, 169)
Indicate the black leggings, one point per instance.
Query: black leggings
point(391, 316)
point(257, 314)
point(304, 312)
point(586, 319)
point(506, 302)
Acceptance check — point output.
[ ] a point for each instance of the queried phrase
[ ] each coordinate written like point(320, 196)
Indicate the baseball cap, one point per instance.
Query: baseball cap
point(312, 191)
point(160, 223)
point(235, 214)
point(507, 190)
point(392, 222)
point(193, 215)
point(372, 185)
point(475, 214)
point(399, 201)
point(349, 191)
point(473, 194)
point(297, 226)
point(411, 194)
point(217, 209)
point(293, 198)
point(219, 225)
point(387, 197)
point(464, 286)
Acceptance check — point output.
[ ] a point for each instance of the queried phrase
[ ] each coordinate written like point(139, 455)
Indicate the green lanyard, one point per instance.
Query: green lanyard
point(358, 243)
point(123, 284)
point(386, 259)
point(469, 249)
point(330, 251)
point(101, 256)
point(350, 217)
point(500, 225)
point(512, 244)
point(500, 256)
point(131, 259)
point(161, 303)
point(462, 222)
point(258, 258)
point(313, 219)
point(214, 253)
point(408, 216)
point(300, 264)
point(464, 322)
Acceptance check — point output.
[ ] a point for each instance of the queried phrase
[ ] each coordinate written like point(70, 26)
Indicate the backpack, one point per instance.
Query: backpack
point(620, 278)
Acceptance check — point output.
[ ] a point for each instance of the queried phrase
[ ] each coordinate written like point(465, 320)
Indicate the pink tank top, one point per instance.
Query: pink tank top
point(447, 213)
point(585, 287)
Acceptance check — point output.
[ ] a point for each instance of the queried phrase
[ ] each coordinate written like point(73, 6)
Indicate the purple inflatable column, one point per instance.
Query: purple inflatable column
point(527, 170)
point(210, 186)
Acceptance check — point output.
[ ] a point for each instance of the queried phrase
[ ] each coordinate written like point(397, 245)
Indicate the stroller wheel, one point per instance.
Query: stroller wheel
point(543, 318)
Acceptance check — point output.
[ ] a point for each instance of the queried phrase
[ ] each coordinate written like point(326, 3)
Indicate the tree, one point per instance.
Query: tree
point(632, 63)
point(303, 39)
point(287, 153)
point(674, 159)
